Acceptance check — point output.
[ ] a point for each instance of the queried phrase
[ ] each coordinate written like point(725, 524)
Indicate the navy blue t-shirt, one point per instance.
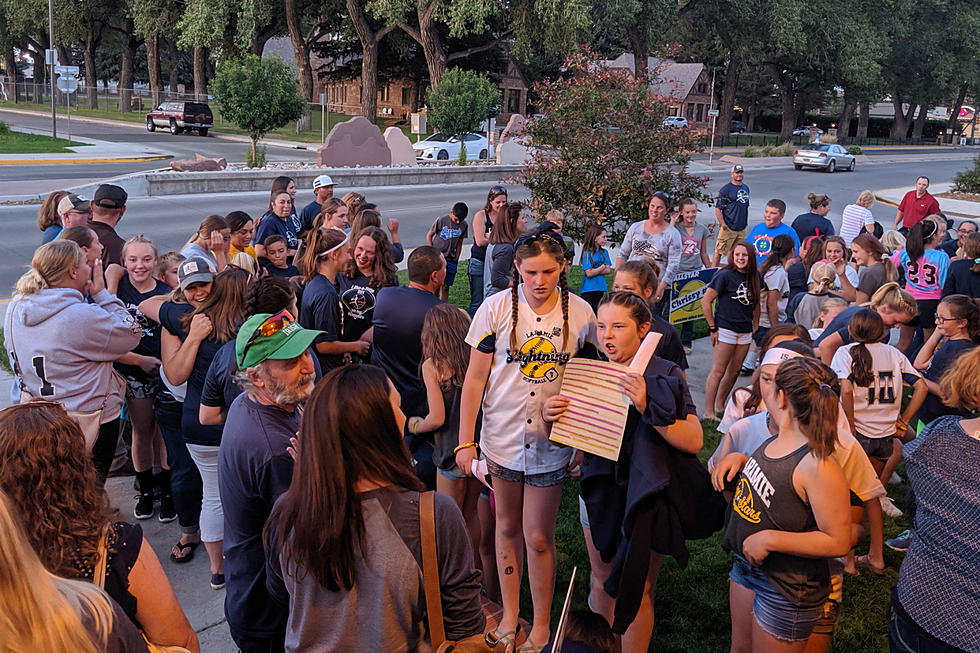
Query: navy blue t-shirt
point(149, 344)
point(308, 215)
point(944, 357)
point(190, 423)
point(797, 279)
point(398, 318)
point(287, 272)
point(320, 309)
point(271, 224)
point(735, 308)
point(357, 300)
point(812, 224)
point(961, 280)
point(839, 326)
point(734, 204)
point(254, 469)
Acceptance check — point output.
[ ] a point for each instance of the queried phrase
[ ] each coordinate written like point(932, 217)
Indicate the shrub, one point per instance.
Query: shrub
point(854, 149)
point(750, 152)
point(460, 103)
point(968, 181)
point(4, 128)
point(255, 159)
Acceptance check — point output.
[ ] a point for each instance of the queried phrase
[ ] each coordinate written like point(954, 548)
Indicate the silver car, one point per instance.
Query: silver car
point(829, 156)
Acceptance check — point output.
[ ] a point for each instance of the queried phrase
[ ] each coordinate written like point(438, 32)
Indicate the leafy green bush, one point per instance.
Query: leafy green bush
point(785, 149)
point(4, 128)
point(255, 159)
point(4, 356)
point(968, 181)
point(461, 102)
point(750, 152)
point(854, 149)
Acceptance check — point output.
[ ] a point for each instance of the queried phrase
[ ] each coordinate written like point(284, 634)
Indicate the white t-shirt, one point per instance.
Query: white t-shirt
point(746, 435)
point(776, 279)
point(876, 409)
point(853, 221)
point(851, 273)
point(514, 434)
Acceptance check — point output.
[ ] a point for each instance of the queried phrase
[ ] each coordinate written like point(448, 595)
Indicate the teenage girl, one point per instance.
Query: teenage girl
point(964, 274)
point(776, 285)
point(925, 267)
point(210, 242)
point(875, 268)
point(482, 225)
point(835, 252)
point(622, 323)
point(737, 289)
point(596, 264)
point(894, 305)
point(521, 340)
point(333, 214)
point(369, 269)
point(789, 514)
point(830, 308)
point(694, 253)
point(639, 277)
point(324, 258)
point(958, 329)
point(806, 307)
point(88, 240)
point(872, 376)
point(445, 355)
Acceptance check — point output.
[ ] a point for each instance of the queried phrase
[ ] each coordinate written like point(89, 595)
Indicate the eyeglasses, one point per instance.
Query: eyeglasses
point(943, 320)
point(961, 230)
point(269, 326)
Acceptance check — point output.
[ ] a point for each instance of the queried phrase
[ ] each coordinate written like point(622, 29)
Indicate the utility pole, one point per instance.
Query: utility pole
point(714, 118)
point(54, 119)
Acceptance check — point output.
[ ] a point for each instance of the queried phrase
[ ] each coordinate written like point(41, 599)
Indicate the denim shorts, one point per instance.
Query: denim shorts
point(878, 448)
point(774, 612)
point(545, 479)
point(450, 273)
point(454, 473)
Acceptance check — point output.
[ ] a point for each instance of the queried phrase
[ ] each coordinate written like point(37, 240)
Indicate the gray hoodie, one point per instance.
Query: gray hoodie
point(66, 346)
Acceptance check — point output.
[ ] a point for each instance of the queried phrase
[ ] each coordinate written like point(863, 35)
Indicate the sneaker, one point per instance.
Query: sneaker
point(895, 479)
point(746, 371)
point(217, 581)
point(167, 511)
point(889, 508)
point(900, 543)
point(144, 506)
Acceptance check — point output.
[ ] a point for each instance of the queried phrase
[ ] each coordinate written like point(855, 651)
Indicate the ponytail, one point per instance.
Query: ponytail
point(812, 391)
point(866, 326)
point(50, 263)
point(824, 275)
point(915, 242)
point(873, 246)
point(318, 243)
point(892, 296)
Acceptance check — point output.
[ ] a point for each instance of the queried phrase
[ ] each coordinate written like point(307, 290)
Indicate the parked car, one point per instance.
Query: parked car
point(828, 156)
point(737, 127)
point(807, 130)
point(443, 147)
point(179, 116)
point(675, 122)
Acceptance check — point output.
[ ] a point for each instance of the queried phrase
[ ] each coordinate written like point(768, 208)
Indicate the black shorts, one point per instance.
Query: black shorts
point(878, 448)
point(927, 312)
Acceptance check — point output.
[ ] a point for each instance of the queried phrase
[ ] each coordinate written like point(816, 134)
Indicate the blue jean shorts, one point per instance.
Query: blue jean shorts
point(451, 267)
point(544, 479)
point(774, 612)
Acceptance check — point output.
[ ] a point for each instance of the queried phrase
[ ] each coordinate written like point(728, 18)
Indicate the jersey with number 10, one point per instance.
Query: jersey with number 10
point(876, 408)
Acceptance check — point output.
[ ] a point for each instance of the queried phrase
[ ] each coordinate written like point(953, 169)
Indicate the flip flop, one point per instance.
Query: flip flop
point(863, 561)
point(178, 552)
point(507, 638)
point(530, 647)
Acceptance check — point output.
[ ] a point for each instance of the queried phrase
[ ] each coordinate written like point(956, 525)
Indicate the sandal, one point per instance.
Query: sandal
point(864, 561)
point(183, 552)
point(530, 647)
point(507, 638)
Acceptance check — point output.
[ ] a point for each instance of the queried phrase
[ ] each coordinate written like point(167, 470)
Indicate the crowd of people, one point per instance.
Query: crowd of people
point(291, 406)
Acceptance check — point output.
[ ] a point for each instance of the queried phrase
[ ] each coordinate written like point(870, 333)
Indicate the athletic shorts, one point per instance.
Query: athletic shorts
point(544, 479)
point(879, 448)
point(733, 338)
point(143, 386)
point(727, 239)
point(774, 612)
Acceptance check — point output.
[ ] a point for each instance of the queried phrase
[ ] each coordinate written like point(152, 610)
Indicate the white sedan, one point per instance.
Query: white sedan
point(443, 147)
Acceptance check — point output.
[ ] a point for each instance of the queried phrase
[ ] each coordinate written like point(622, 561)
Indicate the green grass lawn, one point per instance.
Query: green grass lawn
point(12, 142)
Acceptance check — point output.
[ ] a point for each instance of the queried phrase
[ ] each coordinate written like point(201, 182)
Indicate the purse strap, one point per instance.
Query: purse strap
point(102, 561)
point(8, 328)
point(430, 569)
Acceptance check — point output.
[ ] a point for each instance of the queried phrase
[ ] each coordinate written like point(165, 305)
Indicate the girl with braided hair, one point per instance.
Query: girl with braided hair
point(521, 340)
point(895, 306)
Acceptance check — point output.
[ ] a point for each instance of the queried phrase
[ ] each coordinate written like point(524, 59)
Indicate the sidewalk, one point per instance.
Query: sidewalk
point(951, 207)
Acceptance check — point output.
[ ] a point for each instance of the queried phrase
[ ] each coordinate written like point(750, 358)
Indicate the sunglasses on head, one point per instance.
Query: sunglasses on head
point(498, 190)
point(269, 326)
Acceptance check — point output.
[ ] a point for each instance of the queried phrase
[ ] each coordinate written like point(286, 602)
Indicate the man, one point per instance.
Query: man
point(966, 228)
point(447, 234)
point(74, 210)
point(107, 210)
point(915, 206)
point(732, 212)
point(398, 317)
point(322, 191)
point(276, 373)
point(772, 225)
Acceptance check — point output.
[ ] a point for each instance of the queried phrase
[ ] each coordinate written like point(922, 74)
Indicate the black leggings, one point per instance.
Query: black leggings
point(104, 449)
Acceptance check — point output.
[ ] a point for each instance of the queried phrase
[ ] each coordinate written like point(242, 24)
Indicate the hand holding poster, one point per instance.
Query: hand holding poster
point(685, 295)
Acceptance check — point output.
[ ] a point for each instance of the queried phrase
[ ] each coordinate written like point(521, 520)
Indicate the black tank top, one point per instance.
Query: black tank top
point(766, 500)
point(479, 252)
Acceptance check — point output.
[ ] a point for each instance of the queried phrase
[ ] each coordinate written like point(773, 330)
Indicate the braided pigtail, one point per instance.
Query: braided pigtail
point(514, 306)
point(563, 289)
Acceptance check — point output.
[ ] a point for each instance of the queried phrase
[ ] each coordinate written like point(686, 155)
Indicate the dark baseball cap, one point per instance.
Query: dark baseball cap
point(194, 270)
point(738, 168)
point(109, 196)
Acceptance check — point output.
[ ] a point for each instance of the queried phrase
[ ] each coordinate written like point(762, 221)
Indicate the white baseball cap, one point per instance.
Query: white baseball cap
point(322, 180)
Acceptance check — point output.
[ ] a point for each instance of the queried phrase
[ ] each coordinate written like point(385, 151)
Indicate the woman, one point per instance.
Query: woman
point(369, 215)
point(48, 220)
point(88, 240)
point(811, 251)
point(41, 446)
point(482, 226)
point(67, 345)
point(875, 268)
point(133, 285)
point(190, 340)
point(835, 253)
point(210, 242)
point(895, 306)
point(924, 267)
point(655, 239)
point(370, 269)
point(498, 268)
point(964, 274)
point(283, 184)
point(333, 215)
point(281, 219)
point(44, 612)
point(857, 218)
point(934, 605)
point(242, 228)
point(346, 545)
point(814, 222)
point(622, 322)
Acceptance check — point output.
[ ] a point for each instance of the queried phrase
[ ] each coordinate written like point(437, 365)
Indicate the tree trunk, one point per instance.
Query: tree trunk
point(126, 66)
point(898, 122)
point(153, 66)
point(435, 56)
point(844, 124)
point(10, 65)
point(302, 56)
point(920, 122)
point(260, 38)
point(39, 76)
point(91, 79)
point(174, 58)
point(954, 116)
point(750, 120)
point(200, 75)
point(727, 104)
point(369, 59)
point(909, 115)
point(640, 50)
point(863, 119)
point(787, 102)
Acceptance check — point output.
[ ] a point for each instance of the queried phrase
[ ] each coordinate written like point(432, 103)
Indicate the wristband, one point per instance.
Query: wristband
point(414, 421)
point(464, 446)
point(712, 329)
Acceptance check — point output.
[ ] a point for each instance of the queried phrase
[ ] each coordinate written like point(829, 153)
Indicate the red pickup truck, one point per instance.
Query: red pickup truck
point(179, 116)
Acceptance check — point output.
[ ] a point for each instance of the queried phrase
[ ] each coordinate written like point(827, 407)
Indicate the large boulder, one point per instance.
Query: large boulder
point(198, 164)
point(402, 152)
point(514, 129)
point(354, 143)
point(513, 153)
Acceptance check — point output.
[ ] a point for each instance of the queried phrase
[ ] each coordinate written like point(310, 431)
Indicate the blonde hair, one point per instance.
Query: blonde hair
point(958, 386)
point(50, 263)
point(892, 296)
point(824, 275)
point(892, 241)
point(141, 239)
point(244, 261)
point(41, 611)
point(866, 199)
point(825, 306)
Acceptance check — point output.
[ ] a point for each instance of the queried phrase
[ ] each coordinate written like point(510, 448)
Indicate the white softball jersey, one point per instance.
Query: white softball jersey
point(877, 408)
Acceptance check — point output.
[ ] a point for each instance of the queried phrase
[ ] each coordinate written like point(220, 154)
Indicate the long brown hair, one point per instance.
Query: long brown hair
point(543, 243)
point(383, 271)
point(589, 244)
point(328, 209)
point(444, 342)
point(209, 225)
point(505, 224)
point(873, 246)
point(366, 216)
point(353, 201)
point(225, 306)
point(751, 271)
point(971, 247)
point(47, 474)
point(813, 247)
point(47, 215)
point(348, 434)
point(865, 327)
point(318, 242)
point(812, 390)
point(279, 185)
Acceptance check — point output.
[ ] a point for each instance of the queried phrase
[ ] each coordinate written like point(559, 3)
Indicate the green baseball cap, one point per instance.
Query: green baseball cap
point(271, 336)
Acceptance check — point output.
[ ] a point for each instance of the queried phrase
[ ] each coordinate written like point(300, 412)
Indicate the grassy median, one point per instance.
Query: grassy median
point(12, 142)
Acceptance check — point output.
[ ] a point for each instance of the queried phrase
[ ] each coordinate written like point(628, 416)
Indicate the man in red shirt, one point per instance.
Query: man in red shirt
point(916, 205)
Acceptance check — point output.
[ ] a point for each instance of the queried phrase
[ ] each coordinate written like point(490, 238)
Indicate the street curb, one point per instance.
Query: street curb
point(44, 162)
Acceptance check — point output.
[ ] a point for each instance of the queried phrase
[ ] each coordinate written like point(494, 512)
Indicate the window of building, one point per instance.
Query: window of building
point(700, 112)
point(689, 111)
point(407, 96)
point(702, 87)
point(384, 93)
point(513, 100)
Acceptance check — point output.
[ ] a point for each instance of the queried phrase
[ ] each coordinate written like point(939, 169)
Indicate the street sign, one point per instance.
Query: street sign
point(67, 84)
point(51, 57)
point(66, 70)
point(713, 113)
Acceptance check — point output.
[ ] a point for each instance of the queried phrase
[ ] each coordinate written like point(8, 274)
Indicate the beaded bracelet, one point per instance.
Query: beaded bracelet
point(464, 446)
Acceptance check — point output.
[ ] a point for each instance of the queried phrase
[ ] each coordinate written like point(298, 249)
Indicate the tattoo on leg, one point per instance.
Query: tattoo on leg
point(508, 570)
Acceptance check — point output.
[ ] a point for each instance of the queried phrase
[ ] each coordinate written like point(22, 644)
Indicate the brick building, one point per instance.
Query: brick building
point(687, 87)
